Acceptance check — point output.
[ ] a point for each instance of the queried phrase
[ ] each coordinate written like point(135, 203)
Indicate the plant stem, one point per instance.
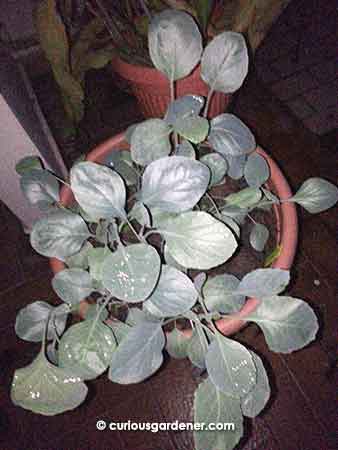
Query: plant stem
point(140, 238)
point(213, 204)
point(252, 219)
point(172, 97)
point(210, 93)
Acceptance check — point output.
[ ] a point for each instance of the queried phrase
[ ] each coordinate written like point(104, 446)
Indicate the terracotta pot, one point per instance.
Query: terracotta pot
point(286, 226)
point(152, 91)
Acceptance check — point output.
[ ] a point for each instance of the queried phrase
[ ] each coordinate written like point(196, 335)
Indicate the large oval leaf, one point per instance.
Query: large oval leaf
point(195, 129)
point(99, 190)
point(174, 294)
point(139, 354)
point(174, 184)
point(199, 241)
point(259, 236)
point(131, 273)
point(316, 195)
point(288, 323)
point(31, 322)
point(60, 234)
point(230, 367)
point(263, 282)
point(253, 403)
point(46, 389)
point(225, 61)
point(86, 349)
point(197, 347)
point(244, 198)
point(212, 406)
point(175, 43)
point(40, 187)
point(230, 136)
point(219, 294)
point(150, 141)
point(256, 170)
point(218, 167)
point(236, 165)
point(72, 285)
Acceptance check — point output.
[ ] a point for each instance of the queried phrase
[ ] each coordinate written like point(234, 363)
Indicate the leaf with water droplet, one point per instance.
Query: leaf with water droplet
point(72, 285)
point(131, 273)
point(46, 389)
point(230, 367)
point(253, 403)
point(87, 348)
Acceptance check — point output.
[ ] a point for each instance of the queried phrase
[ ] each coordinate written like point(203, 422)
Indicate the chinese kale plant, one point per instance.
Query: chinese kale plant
point(140, 223)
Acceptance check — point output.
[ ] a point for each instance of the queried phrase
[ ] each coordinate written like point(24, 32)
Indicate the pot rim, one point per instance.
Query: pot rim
point(286, 226)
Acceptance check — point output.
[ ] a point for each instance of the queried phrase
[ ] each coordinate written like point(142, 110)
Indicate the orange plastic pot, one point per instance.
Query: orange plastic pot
point(152, 90)
point(286, 226)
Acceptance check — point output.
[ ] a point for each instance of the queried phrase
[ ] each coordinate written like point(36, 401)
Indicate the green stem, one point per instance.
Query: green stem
point(213, 204)
point(205, 113)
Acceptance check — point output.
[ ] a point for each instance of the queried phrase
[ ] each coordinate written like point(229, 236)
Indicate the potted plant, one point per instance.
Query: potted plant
point(131, 229)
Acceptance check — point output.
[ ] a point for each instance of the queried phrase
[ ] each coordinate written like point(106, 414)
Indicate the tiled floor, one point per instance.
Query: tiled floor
point(298, 62)
point(301, 414)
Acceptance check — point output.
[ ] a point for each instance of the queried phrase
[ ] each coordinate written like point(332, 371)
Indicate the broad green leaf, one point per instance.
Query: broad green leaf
point(219, 294)
point(197, 240)
point(138, 355)
point(236, 166)
point(230, 136)
point(25, 165)
point(218, 167)
point(120, 329)
point(86, 348)
point(234, 212)
point(253, 403)
point(225, 61)
point(174, 184)
point(99, 190)
point(177, 344)
point(259, 236)
point(230, 367)
point(160, 218)
point(171, 261)
point(263, 282)
point(197, 347)
point(256, 170)
point(175, 43)
point(174, 294)
point(121, 162)
point(80, 259)
point(288, 323)
point(141, 214)
point(185, 149)
point(316, 195)
point(150, 141)
point(199, 281)
point(183, 108)
point(131, 273)
point(96, 258)
point(136, 316)
point(31, 322)
point(212, 406)
point(40, 187)
point(72, 285)
point(130, 130)
point(61, 234)
point(245, 198)
point(195, 129)
point(234, 227)
point(46, 389)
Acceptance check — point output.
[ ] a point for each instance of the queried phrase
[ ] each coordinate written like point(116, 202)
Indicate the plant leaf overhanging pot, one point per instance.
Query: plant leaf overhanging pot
point(286, 225)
